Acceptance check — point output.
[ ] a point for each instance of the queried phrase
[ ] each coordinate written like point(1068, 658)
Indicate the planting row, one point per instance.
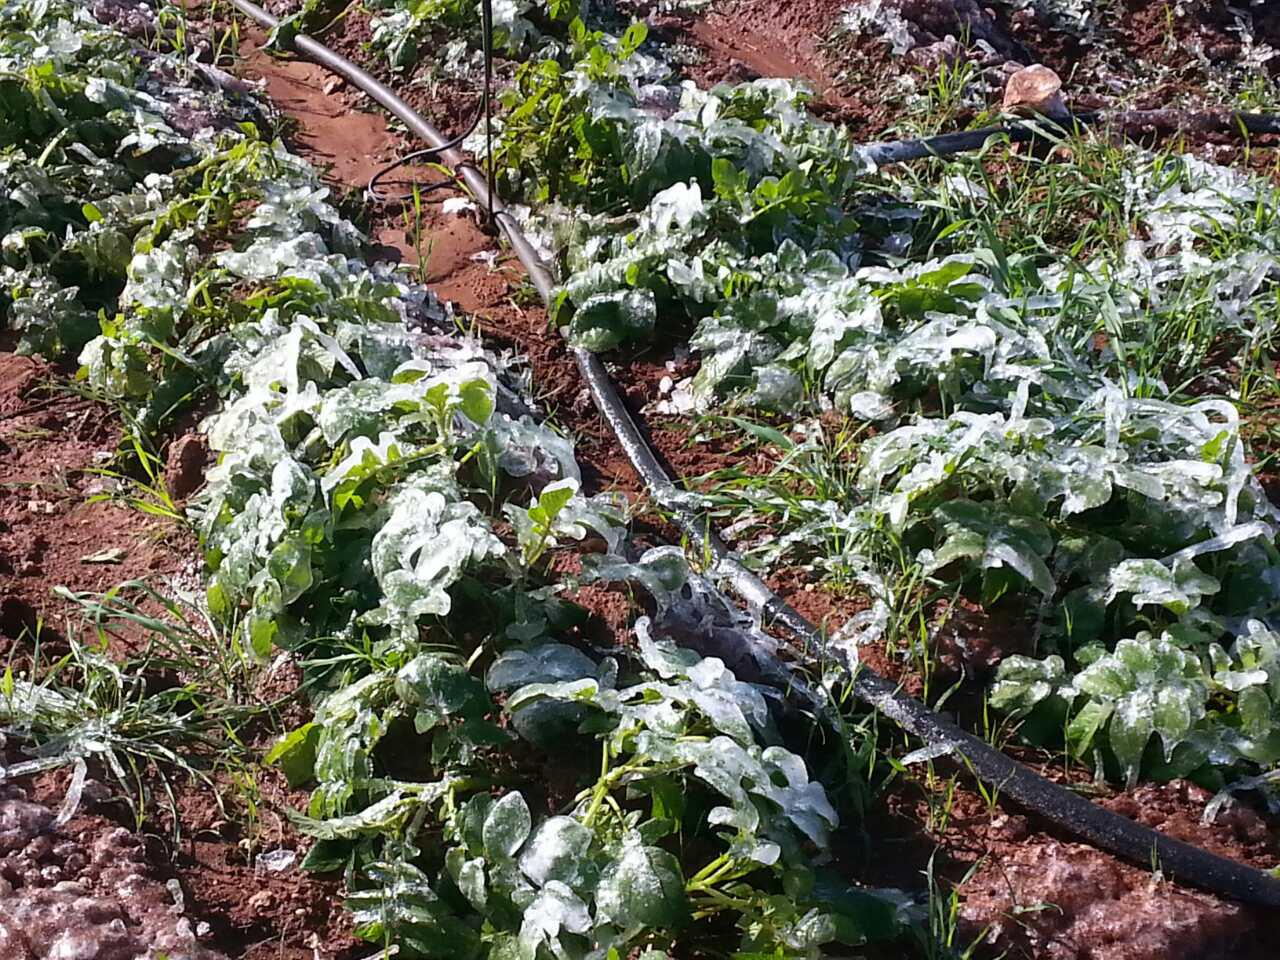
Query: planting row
point(1039, 360)
point(385, 512)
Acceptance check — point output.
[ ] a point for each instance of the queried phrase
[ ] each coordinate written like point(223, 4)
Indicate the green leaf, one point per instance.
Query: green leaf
point(506, 827)
point(326, 856)
point(384, 816)
point(558, 851)
point(553, 498)
point(632, 37)
point(643, 887)
point(295, 753)
point(476, 401)
point(1129, 731)
point(1085, 725)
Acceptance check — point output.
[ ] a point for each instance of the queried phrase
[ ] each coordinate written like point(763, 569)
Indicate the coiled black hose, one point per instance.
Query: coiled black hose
point(1074, 814)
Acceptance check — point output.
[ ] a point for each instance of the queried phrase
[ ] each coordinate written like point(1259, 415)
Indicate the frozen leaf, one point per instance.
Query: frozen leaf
point(555, 908)
point(662, 571)
point(1151, 582)
point(546, 663)
point(439, 689)
point(1130, 728)
point(982, 533)
point(1022, 682)
point(642, 887)
point(1147, 685)
point(557, 851)
point(507, 826)
point(606, 320)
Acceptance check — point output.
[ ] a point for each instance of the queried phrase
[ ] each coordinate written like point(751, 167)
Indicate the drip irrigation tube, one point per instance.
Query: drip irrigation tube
point(1071, 812)
point(1049, 129)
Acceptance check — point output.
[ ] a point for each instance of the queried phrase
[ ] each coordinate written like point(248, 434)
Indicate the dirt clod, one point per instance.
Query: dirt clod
point(69, 897)
point(189, 457)
point(1062, 901)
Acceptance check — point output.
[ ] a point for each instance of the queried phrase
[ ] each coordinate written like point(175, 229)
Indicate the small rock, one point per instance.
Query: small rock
point(1011, 827)
point(1035, 90)
point(39, 848)
point(94, 792)
point(934, 56)
point(21, 822)
point(738, 72)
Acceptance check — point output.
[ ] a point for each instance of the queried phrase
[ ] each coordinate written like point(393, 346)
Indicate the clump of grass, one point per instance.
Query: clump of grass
point(170, 709)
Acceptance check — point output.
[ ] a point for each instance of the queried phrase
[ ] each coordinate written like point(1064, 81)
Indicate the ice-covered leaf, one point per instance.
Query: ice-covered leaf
point(1179, 588)
point(993, 538)
point(439, 689)
point(606, 320)
point(643, 886)
point(507, 826)
point(1022, 682)
point(558, 851)
point(555, 908)
point(545, 663)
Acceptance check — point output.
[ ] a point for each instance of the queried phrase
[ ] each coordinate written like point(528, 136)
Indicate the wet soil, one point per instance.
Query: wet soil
point(83, 889)
point(1037, 894)
point(71, 875)
point(51, 443)
point(1143, 56)
point(733, 48)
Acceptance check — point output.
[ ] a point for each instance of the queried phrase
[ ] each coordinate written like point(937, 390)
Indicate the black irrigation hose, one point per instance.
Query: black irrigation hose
point(373, 195)
point(1069, 811)
point(947, 144)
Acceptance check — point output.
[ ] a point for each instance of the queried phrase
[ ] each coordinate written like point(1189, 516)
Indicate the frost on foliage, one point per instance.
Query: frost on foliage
point(875, 18)
point(400, 33)
point(1152, 582)
point(1051, 467)
point(357, 407)
point(643, 887)
point(651, 717)
point(977, 533)
point(1144, 686)
point(1251, 672)
point(420, 551)
point(1157, 686)
point(358, 447)
point(557, 853)
point(82, 181)
point(555, 908)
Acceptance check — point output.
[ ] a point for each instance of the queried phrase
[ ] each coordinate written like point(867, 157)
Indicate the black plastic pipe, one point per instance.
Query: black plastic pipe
point(1071, 812)
point(1127, 121)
